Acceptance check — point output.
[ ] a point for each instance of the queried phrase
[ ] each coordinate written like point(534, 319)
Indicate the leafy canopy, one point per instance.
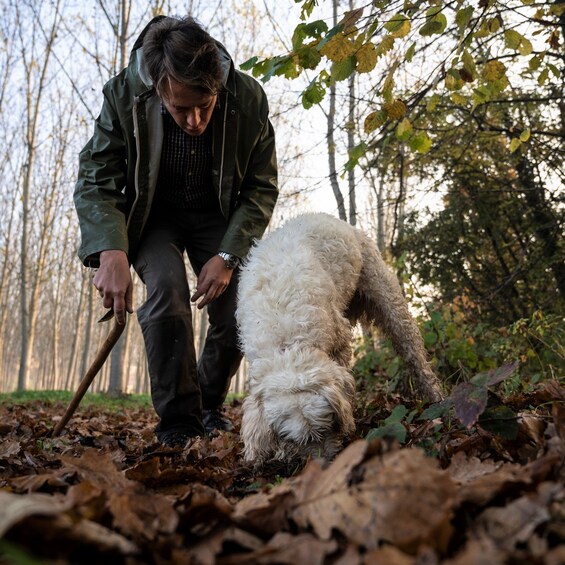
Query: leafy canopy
point(477, 43)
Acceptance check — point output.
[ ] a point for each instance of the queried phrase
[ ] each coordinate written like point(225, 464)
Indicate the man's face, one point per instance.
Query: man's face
point(190, 108)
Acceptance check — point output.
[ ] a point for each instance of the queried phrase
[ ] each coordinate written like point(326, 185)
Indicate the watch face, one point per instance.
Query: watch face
point(230, 261)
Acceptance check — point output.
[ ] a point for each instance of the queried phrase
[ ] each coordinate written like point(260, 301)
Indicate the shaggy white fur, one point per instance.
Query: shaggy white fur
point(301, 291)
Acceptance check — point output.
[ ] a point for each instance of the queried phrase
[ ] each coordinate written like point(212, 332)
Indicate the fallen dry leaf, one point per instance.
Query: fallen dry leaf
point(402, 498)
point(514, 523)
point(16, 508)
point(111, 493)
point(480, 481)
point(287, 549)
point(388, 555)
point(266, 512)
point(478, 551)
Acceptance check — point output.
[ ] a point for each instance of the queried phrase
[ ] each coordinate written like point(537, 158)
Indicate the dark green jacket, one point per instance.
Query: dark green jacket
point(119, 165)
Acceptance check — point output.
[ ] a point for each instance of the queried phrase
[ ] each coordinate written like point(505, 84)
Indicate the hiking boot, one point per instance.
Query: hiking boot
point(214, 420)
point(175, 439)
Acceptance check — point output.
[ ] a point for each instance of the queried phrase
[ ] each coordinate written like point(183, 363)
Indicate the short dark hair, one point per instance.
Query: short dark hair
point(181, 50)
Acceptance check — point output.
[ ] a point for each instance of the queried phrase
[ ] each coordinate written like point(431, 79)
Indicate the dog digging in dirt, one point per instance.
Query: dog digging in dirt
point(301, 292)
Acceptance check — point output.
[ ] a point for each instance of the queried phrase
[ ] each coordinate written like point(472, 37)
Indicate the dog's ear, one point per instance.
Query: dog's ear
point(339, 393)
point(259, 442)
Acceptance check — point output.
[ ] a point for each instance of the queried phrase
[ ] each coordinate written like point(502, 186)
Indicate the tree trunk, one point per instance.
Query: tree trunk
point(331, 140)
point(33, 105)
point(351, 144)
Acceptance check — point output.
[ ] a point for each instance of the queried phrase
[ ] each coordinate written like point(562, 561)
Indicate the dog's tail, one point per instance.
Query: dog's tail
point(383, 304)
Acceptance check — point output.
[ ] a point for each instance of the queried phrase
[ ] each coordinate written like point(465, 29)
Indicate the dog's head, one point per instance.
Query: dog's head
point(305, 402)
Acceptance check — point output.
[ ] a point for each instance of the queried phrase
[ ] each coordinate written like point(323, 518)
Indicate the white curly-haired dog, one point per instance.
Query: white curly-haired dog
point(301, 290)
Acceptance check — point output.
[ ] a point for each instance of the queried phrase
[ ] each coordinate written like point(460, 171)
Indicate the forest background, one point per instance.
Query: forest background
point(438, 127)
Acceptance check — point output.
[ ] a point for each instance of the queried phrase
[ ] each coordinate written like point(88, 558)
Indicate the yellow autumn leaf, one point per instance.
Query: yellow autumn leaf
point(515, 144)
point(459, 99)
point(366, 58)
point(494, 70)
point(396, 109)
point(375, 120)
point(338, 48)
point(399, 26)
point(404, 129)
point(385, 45)
point(525, 135)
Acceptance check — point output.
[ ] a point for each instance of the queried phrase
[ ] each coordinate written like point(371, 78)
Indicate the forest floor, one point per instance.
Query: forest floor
point(440, 493)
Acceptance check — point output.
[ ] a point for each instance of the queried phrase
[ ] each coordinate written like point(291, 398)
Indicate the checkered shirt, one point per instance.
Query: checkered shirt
point(185, 173)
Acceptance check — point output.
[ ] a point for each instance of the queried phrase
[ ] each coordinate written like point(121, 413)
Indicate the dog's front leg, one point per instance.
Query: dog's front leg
point(258, 440)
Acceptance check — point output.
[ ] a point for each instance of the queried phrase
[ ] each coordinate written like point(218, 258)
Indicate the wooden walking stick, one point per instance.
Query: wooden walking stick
point(101, 356)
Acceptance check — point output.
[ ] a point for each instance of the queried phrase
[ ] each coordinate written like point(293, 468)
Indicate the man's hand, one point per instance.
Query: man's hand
point(114, 283)
point(212, 281)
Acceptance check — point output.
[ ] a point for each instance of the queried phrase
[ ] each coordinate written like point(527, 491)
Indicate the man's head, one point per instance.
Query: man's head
point(184, 64)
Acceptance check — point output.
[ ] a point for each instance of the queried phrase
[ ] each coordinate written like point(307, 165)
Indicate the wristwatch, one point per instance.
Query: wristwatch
point(230, 261)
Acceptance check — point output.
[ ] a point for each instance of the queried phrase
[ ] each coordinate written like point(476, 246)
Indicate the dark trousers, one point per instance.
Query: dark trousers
point(181, 386)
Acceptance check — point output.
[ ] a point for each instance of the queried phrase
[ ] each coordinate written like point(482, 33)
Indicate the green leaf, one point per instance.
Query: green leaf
point(515, 144)
point(437, 410)
point(543, 76)
point(494, 24)
point(395, 23)
point(469, 63)
point(398, 26)
point(501, 421)
point(395, 430)
point(459, 99)
point(358, 151)
point(277, 66)
point(397, 414)
point(433, 102)
point(534, 63)
point(513, 39)
point(409, 55)
point(436, 23)
point(525, 135)
point(308, 57)
point(386, 44)
point(354, 155)
point(404, 129)
point(420, 142)
point(463, 17)
point(249, 64)
point(307, 7)
point(430, 338)
point(554, 70)
point(388, 85)
point(525, 48)
point(314, 30)
point(453, 80)
point(343, 69)
point(313, 94)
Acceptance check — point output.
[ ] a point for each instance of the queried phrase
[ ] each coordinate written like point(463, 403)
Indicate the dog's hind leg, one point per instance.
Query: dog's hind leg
point(384, 304)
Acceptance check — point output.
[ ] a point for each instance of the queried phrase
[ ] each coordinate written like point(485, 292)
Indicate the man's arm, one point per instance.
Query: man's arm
point(99, 195)
point(100, 203)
